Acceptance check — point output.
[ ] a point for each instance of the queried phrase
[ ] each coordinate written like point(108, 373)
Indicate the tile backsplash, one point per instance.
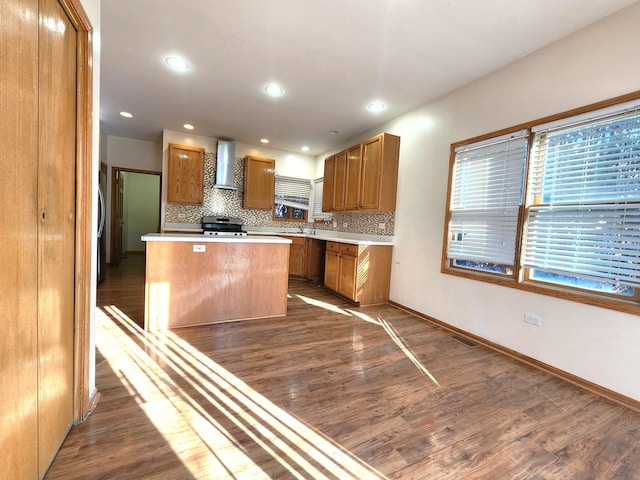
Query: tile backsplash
point(229, 203)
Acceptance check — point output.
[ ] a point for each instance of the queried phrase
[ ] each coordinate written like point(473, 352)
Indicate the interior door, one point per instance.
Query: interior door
point(56, 231)
point(18, 226)
point(117, 217)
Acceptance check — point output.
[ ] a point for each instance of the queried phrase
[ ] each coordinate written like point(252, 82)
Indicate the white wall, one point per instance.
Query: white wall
point(597, 63)
point(141, 208)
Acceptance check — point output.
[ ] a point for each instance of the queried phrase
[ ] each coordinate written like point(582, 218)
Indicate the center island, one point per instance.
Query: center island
point(202, 279)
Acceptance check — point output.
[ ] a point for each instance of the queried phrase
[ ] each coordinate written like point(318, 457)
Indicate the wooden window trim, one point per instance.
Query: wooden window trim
point(520, 279)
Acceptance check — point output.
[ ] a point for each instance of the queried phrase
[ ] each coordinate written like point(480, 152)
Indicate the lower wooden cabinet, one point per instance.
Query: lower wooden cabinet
point(314, 260)
point(296, 256)
point(361, 273)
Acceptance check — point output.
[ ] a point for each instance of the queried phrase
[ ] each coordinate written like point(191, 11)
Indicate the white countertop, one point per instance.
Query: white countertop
point(195, 238)
point(328, 235)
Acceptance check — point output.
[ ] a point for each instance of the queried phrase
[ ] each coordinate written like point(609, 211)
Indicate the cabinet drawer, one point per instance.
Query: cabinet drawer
point(349, 249)
point(333, 247)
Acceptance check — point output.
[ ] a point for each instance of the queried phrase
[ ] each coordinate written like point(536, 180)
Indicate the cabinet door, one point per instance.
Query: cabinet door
point(352, 178)
point(339, 181)
point(296, 256)
point(331, 266)
point(348, 276)
point(327, 184)
point(185, 182)
point(259, 183)
point(314, 260)
point(370, 173)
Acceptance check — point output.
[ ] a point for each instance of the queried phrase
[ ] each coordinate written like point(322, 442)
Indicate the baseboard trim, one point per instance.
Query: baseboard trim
point(556, 372)
point(93, 402)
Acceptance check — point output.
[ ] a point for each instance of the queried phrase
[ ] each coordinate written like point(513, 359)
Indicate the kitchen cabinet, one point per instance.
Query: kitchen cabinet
point(360, 273)
point(259, 182)
point(314, 260)
point(327, 189)
point(339, 182)
point(352, 178)
point(332, 266)
point(363, 177)
point(185, 178)
point(296, 256)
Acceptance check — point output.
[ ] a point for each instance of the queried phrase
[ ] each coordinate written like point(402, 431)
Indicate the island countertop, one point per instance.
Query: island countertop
point(197, 238)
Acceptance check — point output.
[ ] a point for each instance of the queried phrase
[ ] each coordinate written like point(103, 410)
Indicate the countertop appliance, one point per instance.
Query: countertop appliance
point(229, 226)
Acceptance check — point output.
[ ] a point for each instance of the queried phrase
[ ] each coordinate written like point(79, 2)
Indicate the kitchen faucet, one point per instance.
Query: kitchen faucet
point(301, 228)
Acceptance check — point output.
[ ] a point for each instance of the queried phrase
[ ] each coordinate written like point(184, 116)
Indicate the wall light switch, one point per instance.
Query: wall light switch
point(335, 224)
point(382, 226)
point(199, 248)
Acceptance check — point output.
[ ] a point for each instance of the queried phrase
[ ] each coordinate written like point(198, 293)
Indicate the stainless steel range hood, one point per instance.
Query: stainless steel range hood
point(225, 165)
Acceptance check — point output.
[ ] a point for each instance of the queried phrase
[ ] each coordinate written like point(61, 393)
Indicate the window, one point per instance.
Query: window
point(486, 194)
point(573, 225)
point(291, 198)
point(318, 214)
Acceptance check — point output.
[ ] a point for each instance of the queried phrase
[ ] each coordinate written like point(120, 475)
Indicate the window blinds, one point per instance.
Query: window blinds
point(318, 214)
point(292, 192)
point(487, 186)
point(584, 200)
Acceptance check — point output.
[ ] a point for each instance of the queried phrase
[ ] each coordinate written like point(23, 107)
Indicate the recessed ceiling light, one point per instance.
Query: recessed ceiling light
point(188, 126)
point(305, 149)
point(264, 140)
point(274, 90)
point(376, 107)
point(333, 132)
point(177, 64)
point(126, 115)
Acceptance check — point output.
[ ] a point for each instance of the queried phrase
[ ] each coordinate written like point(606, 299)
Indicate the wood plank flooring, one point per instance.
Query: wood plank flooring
point(330, 391)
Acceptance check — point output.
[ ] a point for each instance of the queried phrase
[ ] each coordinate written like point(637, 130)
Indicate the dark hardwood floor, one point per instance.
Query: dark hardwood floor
point(330, 391)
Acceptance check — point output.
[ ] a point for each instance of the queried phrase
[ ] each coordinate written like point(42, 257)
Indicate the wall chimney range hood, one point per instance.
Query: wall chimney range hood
point(225, 165)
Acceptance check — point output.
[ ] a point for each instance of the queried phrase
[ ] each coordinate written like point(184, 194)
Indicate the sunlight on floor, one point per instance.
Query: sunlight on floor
point(325, 305)
point(397, 339)
point(203, 426)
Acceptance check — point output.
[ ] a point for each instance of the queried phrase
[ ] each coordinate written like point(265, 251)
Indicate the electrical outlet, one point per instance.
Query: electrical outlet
point(533, 319)
point(199, 248)
point(182, 215)
point(382, 226)
point(335, 224)
point(344, 225)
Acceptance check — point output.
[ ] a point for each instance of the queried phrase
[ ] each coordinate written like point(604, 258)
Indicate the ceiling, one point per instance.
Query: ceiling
point(332, 57)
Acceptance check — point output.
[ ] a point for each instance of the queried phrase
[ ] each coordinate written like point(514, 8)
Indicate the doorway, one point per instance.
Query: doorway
point(135, 209)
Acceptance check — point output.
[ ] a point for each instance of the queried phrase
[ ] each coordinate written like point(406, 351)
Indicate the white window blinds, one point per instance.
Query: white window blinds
point(318, 214)
point(584, 200)
point(293, 192)
point(487, 186)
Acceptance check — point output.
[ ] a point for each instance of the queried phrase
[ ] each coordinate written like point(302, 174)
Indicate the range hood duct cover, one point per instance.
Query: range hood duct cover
point(225, 165)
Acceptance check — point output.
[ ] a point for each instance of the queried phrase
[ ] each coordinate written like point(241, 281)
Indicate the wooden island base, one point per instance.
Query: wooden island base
point(229, 280)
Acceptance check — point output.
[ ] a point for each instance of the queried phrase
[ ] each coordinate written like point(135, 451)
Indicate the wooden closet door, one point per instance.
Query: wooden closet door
point(18, 227)
point(56, 230)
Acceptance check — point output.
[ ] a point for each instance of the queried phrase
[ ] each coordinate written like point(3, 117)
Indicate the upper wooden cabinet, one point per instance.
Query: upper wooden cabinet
point(363, 177)
point(339, 182)
point(259, 182)
point(352, 178)
point(327, 189)
point(185, 179)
